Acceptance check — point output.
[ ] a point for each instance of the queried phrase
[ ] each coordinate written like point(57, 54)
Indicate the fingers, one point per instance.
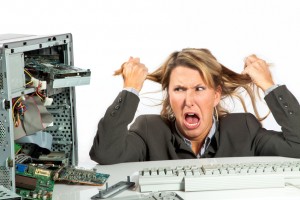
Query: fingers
point(250, 59)
point(253, 62)
point(134, 60)
point(134, 73)
point(126, 65)
point(258, 70)
point(131, 64)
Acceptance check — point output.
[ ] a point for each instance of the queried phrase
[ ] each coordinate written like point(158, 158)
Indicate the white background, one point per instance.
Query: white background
point(107, 32)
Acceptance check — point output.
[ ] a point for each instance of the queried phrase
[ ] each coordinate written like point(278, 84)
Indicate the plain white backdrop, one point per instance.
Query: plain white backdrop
point(107, 32)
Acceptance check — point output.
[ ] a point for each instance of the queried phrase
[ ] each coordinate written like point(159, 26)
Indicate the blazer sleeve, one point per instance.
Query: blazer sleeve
point(286, 111)
point(113, 142)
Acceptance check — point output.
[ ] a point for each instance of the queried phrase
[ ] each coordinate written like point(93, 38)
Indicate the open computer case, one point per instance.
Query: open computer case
point(37, 101)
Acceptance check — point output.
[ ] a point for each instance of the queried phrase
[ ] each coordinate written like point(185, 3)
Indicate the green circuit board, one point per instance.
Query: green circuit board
point(73, 175)
point(33, 182)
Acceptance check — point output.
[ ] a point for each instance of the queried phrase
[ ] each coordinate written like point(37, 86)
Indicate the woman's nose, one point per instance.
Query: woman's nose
point(189, 99)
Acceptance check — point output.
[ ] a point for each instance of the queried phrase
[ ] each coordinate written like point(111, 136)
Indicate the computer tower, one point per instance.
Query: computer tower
point(37, 67)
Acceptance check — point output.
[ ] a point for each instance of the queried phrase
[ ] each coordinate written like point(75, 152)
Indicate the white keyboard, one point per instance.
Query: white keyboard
point(220, 176)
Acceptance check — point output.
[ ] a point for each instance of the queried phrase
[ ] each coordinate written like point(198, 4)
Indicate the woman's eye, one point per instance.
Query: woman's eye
point(200, 88)
point(178, 89)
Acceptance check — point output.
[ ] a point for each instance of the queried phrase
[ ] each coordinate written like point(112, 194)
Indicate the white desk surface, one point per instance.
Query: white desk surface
point(119, 172)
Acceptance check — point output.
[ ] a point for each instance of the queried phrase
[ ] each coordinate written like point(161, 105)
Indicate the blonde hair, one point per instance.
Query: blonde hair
point(213, 73)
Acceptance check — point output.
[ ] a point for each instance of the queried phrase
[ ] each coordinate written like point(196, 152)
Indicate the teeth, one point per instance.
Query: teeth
point(193, 124)
point(190, 114)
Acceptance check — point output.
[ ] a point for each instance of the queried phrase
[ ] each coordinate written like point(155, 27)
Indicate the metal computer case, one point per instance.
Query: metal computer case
point(13, 49)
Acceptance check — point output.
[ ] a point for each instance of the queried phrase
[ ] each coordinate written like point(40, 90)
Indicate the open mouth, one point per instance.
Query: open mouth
point(191, 120)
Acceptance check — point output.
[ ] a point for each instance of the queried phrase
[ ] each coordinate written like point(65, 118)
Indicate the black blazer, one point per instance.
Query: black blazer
point(237, 134)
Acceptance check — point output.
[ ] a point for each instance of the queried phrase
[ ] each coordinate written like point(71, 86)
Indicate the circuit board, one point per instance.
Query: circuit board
point(74, 175)
point(33, 182)
point(36, 182)
point(50, 67)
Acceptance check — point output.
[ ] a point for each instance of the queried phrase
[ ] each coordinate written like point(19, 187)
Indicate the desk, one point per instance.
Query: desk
point(119, 172)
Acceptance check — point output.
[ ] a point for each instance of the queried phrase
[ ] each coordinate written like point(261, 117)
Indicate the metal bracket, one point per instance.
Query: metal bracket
point(114, 189)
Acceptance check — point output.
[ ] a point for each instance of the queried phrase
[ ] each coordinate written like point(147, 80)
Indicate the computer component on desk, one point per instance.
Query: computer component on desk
point(113, 190)
point(80, 176)
point(221, 176)
point(161, 196)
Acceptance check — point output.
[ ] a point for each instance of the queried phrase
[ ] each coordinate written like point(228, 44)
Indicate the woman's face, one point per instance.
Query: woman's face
point(192, 102)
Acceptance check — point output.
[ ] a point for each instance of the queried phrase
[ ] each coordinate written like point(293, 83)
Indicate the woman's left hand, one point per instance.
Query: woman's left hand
point(259, 72)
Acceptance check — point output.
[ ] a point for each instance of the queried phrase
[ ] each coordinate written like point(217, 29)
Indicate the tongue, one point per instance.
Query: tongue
point(192, 119)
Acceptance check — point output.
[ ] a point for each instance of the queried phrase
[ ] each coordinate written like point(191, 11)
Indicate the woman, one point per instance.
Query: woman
point(193, 123)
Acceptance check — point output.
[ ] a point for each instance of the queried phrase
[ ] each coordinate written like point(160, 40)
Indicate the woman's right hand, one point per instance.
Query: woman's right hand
point(134, 73)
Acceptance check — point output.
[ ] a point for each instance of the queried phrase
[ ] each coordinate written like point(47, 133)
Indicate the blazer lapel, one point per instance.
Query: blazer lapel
point(178, 142)
point(214, 144)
